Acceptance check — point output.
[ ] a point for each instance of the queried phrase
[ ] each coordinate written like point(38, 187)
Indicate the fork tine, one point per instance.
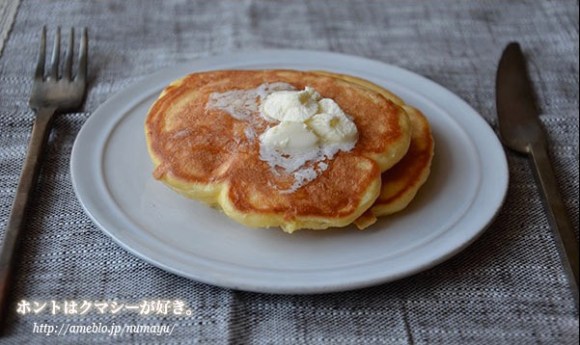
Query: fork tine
point(39, 72)
point(83, 55)
point(55, 55)
point(69, 56)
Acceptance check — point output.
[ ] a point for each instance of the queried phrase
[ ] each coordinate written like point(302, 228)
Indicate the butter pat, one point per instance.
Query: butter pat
point(310, 130)
point(294, 106)
point(332, 128)
point(314, 117)
point(289, 137)
point(332, 125)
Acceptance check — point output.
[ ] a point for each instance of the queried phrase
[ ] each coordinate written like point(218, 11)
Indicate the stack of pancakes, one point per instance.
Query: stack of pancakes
point(205, 153)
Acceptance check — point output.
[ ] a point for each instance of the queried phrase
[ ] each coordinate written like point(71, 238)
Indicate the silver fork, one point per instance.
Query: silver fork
point(51, 94)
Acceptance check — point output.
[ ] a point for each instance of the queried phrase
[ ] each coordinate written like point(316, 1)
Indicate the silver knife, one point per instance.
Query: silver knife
point(521, 131)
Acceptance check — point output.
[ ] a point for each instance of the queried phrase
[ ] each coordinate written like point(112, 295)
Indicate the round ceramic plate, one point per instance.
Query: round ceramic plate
point(111, 174)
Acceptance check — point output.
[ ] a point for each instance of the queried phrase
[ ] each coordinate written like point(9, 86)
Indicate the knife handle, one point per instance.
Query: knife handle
point(564, 234)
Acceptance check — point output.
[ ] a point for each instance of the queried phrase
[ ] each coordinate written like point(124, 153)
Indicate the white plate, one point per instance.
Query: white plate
point(111, 174)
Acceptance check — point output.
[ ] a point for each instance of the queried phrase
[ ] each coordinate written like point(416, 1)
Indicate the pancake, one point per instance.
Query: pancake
point(401, 183)
point(209, 155)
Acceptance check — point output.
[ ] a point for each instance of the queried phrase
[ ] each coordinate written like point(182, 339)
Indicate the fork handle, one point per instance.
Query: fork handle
point(28, 176)
point(562, 228)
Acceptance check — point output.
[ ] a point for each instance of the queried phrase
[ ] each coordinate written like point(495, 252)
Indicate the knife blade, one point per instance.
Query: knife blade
point(520, 130)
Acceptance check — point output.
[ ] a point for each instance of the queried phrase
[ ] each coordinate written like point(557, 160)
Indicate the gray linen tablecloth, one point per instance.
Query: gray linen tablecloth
point(507, 288)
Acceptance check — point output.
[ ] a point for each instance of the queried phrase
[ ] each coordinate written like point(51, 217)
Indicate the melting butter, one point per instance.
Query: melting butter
point(307, 130)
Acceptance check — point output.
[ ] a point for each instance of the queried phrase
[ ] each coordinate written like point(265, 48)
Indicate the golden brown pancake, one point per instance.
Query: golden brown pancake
point(205, 153)
point(401, 183)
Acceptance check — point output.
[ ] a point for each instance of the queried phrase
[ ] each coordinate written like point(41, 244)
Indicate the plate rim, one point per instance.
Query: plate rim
point(206, 64)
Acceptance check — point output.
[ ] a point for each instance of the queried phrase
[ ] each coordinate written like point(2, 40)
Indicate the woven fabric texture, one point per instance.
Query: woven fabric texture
point(8, 10)
point(506, 288)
